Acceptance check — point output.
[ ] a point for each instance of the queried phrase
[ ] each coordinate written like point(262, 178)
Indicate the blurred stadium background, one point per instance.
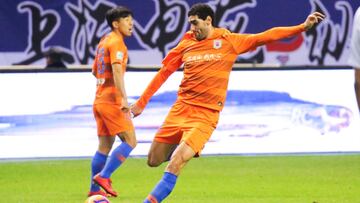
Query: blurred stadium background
point(292, 97)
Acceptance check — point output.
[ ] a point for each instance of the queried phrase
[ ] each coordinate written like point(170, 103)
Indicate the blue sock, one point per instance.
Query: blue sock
point(97, 164)
point(118, 156)
point(162, 189)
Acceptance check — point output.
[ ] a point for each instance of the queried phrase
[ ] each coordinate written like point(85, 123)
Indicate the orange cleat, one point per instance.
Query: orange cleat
point(105, 183)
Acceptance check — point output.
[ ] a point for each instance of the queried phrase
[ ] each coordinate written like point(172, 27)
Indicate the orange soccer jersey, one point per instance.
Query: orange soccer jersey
point(208, 63)
point(111, 49)
point(107, 105)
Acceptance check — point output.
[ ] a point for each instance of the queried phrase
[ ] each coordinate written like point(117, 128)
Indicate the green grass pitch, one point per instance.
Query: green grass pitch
point(218, 179)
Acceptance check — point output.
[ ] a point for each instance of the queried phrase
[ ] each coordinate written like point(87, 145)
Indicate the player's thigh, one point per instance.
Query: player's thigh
point(160, 152)
point(165, 141)
point(168, 135)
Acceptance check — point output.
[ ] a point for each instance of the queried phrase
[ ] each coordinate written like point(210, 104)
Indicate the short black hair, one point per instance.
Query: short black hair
point(202, 10)
point(116, 13)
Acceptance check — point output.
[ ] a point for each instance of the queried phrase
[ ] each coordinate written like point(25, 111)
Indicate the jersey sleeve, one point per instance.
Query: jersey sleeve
point(246, 42)
point(173, 60)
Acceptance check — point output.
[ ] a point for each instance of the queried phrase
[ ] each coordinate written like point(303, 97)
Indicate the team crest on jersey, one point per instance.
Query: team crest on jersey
point(119, 55)
point(217, 44)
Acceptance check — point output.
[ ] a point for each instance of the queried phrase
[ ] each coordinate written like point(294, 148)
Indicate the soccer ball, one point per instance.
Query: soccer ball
point(97, 199)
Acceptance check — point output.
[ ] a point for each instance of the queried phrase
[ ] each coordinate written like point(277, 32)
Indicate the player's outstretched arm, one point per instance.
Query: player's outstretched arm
point(246, 42)
point(313, 19)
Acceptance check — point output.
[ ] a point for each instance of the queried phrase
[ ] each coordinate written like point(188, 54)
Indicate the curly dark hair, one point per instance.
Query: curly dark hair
point(202, 10)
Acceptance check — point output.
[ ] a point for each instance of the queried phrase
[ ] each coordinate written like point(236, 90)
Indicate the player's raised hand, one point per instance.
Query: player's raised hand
point(312, 19)
point(136, 110)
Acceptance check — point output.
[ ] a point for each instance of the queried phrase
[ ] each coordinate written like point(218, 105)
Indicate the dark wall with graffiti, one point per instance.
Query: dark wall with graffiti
point(30, 28)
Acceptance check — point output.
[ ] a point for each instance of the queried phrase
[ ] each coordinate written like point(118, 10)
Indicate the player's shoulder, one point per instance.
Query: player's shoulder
point(187, 39)
point(226, 33)
point(115, 38)
point(232, 36)
point(115, 41)
point(187, 36)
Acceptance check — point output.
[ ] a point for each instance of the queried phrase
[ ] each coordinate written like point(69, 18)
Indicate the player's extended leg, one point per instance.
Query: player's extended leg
point(182, 154)
point(117, 157)
point(357, 86)
point(159, 153)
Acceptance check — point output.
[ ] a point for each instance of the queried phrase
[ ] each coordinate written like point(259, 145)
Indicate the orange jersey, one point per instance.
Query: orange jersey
point(111, 49)
point(208, 63)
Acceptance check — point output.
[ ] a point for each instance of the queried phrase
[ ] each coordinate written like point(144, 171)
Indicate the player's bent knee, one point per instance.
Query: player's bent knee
point(129, 138)
point(104, 150)
point(154, 162)
point(132, 143)
point(175, 164)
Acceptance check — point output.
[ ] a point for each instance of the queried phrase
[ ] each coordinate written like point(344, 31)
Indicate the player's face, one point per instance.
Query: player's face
point(199, 27)
point(125, 26)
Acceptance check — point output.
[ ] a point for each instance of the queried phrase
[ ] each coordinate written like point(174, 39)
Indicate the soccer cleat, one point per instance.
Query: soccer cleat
point(105, 183)
point(100, 192)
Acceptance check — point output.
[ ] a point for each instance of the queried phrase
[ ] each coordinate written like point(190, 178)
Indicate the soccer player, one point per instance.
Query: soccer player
point(354, 59)
point(208, 54)
point(111, 108)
